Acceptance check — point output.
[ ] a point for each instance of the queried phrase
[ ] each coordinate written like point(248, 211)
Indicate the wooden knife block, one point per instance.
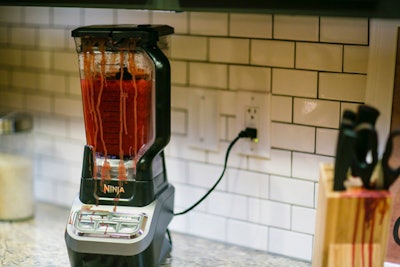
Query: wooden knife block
point(352, 226)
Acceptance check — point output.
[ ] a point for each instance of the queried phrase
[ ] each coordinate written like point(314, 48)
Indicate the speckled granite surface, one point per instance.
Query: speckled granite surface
point(40, 242)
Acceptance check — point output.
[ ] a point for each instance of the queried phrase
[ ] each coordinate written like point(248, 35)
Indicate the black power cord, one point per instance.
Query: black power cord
point(247, 133)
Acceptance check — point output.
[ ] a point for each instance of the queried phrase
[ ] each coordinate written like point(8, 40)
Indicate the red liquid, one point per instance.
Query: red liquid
point(117, 115)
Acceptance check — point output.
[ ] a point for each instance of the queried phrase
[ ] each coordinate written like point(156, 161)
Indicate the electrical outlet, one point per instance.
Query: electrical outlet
point(253, 110)
point(251, 116)
point(203, 119)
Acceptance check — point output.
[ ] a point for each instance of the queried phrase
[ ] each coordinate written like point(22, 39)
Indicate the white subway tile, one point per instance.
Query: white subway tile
point(307, 166)
point(179, 224)
point(302, 28)
point(290, 244)
point(38, 59)
point(216, 229)
point(37, 15)
point(303, 220)
point(66, 193)
point(52, 38)
point(179, 97)
point(68, 107)
point(279, 163)
point(65, 149)
point(344, 30)
point(177, 20)
point(11, 14)
point(177, 170)
point(188, 47)
point(341, 86)
point(132, 16)
point(186, 196)
point(272, 53)
point(58, 169)
point(228, 205)
point(94, 16)
point(65, 16)
point(248, 183)
point(3, 35)
point(316, 112)
point(76, 129)
point(281, 108)
point(179, 147)
point(13, 100)
point(52, 83)
point(317, 56)
point(355, 59)
point(208, 23)
point(208, 75)
point(4, 78)
point(229, 50)
point(292, 191)
point(326, 141)
point(294, 82)
point(179, 71)
point(269, 213)
point(74, 85)
point(25, 36)
point(292, 137)
point(44, 190)
point(44, 145)
point(24, 80)
point(51, 126)
point(250, 78)
point(65, 61)
point(11, 57)
point(235, 159)
point(178, 121)
point(247, 234)
point(205, 175)
point(250, 25)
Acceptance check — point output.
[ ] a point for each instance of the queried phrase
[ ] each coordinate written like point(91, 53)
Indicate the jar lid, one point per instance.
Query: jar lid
point(14, 122)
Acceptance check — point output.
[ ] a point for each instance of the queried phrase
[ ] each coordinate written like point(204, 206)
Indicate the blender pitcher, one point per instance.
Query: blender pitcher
point(125, 83)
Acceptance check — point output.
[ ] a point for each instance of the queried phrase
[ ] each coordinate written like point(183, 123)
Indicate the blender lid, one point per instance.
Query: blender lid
point(13, 122)
point(124, 31)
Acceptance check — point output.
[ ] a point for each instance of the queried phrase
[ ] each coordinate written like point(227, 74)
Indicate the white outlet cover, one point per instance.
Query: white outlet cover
point(203, 119)
point(261, 102)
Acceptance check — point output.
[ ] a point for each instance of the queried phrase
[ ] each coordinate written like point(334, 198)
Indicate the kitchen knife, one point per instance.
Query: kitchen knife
point(344, 150)
point(366, 147)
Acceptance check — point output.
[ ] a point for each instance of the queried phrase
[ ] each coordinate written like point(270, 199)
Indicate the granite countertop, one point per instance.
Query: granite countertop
point(40, 242)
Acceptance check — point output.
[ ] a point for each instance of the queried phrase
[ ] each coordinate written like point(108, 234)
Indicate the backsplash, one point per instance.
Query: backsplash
point(312, 67)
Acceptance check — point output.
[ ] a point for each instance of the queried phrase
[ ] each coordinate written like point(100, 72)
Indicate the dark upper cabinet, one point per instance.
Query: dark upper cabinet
point(360, 8)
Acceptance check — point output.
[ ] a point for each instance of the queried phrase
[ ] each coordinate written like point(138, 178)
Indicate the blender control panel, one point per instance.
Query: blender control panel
point(108, 224)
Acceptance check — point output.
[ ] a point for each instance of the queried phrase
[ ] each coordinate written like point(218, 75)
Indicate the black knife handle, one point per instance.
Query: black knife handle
point(344, 158)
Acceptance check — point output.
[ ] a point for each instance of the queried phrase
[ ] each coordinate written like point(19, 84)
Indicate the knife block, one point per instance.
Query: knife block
point(352, 226)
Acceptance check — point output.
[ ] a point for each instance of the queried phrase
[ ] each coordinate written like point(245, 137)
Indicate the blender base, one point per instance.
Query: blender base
point(146, 258)
point(90, 245)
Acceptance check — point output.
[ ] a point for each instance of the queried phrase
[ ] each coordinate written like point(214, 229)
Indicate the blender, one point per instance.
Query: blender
point(125, 203)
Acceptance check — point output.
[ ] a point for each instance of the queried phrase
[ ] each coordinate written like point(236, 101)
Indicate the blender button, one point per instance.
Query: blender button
point(107, 227)
point(128, 228)
point(83, 225)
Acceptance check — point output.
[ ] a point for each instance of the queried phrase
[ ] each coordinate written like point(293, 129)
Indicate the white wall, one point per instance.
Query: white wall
point(313, 67)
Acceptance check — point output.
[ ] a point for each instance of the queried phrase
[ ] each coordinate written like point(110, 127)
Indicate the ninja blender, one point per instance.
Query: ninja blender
point(125, 203)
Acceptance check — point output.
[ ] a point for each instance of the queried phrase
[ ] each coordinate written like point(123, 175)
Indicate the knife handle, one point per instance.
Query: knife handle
point(344, 158)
